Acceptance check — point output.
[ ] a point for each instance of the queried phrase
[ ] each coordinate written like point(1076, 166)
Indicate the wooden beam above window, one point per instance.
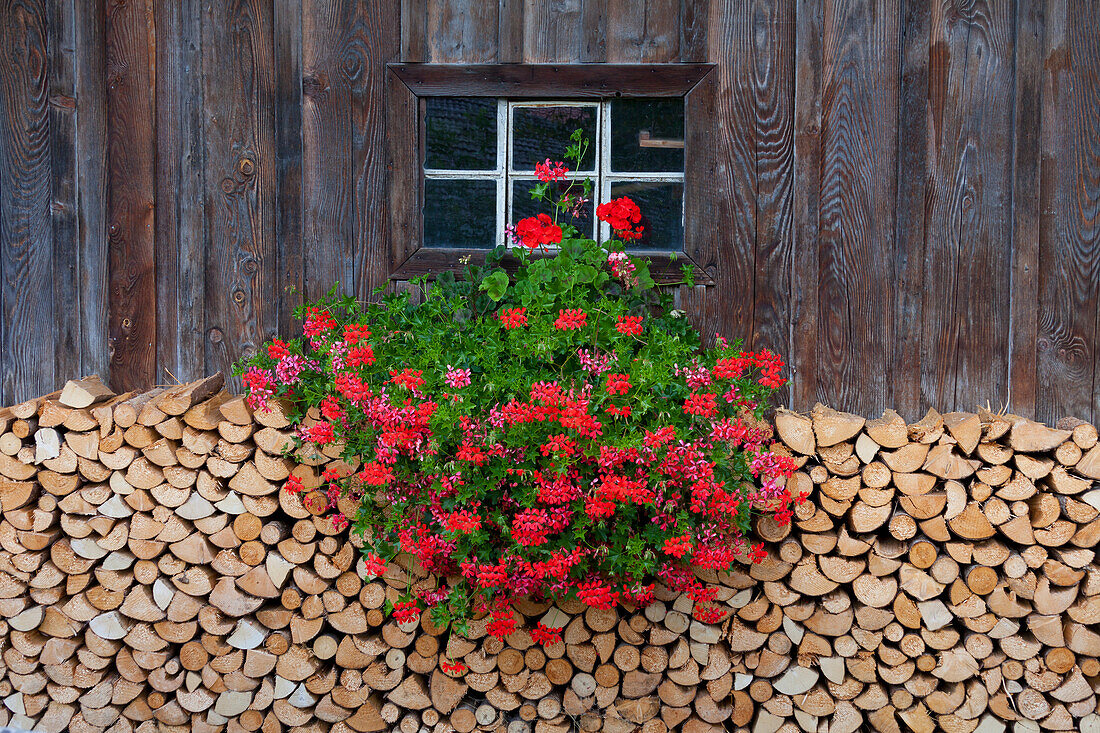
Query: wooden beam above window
point(595, 81)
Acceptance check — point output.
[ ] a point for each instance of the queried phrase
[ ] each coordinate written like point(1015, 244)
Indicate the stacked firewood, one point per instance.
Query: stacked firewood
point(153, 577)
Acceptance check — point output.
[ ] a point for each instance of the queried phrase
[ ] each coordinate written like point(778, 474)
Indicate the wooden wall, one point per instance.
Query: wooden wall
point(908, 193)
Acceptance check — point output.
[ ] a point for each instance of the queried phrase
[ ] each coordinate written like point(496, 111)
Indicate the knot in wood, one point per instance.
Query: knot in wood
point(215, 335)
point(246, 167)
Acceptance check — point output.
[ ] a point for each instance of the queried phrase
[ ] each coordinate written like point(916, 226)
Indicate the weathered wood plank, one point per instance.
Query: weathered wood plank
point(806, 214)
point(239, 179)
point(131, 155)
point(965, 328)
point(290, 271)
point(646, 31)
point(180, 221)
point(1069, 227)
point(730, 39)
point(1024, 297)
point(63, 205)
point(859, 113)
point(509, 32)
point(463, 33)
point(547, 80)
point(26, 236)
point(564, 31)
point(772, 88)
point(91, 173)
point(906, 291)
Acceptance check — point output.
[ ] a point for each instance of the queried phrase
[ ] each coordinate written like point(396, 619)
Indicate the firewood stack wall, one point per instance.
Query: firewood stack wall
point(941, 576)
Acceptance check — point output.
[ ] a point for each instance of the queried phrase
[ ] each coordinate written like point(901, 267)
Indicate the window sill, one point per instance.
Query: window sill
point(664, 266)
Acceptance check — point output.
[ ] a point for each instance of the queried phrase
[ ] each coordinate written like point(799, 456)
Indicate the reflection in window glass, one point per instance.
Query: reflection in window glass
point(523, 206)
point(662, 206)
point(461, 134)
point(541, 132)
point(459, 213)
point(647, 135)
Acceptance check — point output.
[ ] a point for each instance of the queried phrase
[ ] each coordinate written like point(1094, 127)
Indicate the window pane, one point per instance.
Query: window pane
point(543, 132)
point(524, 206)
point(662, 206)
point(460, 213)
point(647, 135)
point(461, 134)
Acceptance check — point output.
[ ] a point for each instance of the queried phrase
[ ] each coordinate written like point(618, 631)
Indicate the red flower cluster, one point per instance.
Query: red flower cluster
point(629, 325)
point(622, 214)
point(405, 611)
point(545, 635)
point(318, 322)
point(513, 317)
point(538, 231)
point(550, 171)
point(571, 319)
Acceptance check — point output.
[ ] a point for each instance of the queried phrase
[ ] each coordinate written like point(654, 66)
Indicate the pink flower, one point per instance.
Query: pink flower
point(457, 378)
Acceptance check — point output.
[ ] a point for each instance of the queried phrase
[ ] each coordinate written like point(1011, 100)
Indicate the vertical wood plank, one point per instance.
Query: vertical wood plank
point(344, 52)
point(564, 31)
point(414, 23)
point(63, 205)
point(26, 237)
point(859, 113)
point(903, 388)
point(131, 153)
point(380, 44)
point(729, 36)
point(643, 32)
point(773, 88)
point(806, 214)
point(694, 15)
point(1023, 331)
point(290, 271)
point(239, 135)
point(965, 330)
point(91, 187)
point(465, 32)
point(1069, 253)
point(510, 32)
point(180, 217)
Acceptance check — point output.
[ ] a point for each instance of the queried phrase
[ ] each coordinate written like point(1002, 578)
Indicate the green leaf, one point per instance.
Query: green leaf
point(495, 285)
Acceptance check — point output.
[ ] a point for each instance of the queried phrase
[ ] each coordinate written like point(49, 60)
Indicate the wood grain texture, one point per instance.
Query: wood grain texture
point(806, 210)
point(773, 27)
point(289, 207)
point(564, 31)
point(1023, 387)
point(1070, 213)
point(462, 32)
point(180, 166)
point(575, 81)
point(965, 333)
point(26, 227)
point(645, 31)
point(90, 153)
point(61, 52)
point(907, 263)
point(858, 129)
point(131, 154)
point(239, 179)
point(730, 39)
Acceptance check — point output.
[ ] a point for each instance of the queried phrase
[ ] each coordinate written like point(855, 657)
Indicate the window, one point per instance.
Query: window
point(480, 154)
point(462, 140)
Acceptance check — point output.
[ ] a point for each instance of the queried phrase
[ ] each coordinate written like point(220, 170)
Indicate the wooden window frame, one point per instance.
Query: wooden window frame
point(409, 83)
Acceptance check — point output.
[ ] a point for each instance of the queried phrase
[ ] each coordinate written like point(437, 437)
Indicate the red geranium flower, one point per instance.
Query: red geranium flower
point(513, 317)
point(622, 214)
point(571, 319)
point(538, 231)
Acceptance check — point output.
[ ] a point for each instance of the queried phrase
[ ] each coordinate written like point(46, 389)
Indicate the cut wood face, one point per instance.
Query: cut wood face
point(941, 575)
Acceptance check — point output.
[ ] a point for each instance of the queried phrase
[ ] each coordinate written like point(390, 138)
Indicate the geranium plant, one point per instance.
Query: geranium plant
point(552, 429)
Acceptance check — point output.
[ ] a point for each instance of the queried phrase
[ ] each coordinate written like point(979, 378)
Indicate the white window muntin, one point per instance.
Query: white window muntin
point(602, 178)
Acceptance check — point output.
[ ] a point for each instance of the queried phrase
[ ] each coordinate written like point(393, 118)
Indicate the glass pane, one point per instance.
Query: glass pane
point(647, 135)
point(461, 134)
point(662, 206)
point(524, 206)
point(543, 132)
point(460, 213)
